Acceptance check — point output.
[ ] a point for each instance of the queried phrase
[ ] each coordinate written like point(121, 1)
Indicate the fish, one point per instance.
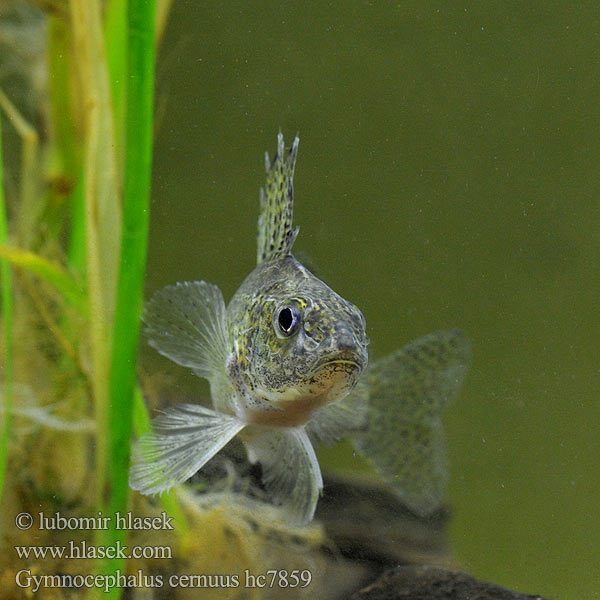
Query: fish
point(288, 366)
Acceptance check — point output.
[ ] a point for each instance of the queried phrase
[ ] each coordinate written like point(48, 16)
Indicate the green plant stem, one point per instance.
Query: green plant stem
point(30, 205)
point(136, 204)
point(77, 243)
point(102, 212)
point(63, 109)
point(115, 36)
point(61, 106)
point(7, 310)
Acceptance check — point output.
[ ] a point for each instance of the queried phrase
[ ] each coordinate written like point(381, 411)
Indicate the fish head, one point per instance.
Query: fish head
point(305, 344)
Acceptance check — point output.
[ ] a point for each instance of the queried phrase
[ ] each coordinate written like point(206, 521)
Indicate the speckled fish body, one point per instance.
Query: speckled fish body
point(287, 365)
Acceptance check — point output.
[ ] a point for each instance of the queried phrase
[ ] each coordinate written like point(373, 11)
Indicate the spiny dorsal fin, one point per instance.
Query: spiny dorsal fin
point(275, 234)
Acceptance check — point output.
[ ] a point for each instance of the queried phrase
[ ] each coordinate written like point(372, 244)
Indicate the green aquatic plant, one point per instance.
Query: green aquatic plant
point(67, 285)
point(136, 206)
point(103, 216)
point(100, 150)
point(7, 315)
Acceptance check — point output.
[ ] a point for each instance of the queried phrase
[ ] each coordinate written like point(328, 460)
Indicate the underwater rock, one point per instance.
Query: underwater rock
point(369, 523)
point(434, 583)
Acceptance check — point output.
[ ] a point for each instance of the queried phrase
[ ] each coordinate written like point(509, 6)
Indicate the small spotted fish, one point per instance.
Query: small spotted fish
point(287, 364)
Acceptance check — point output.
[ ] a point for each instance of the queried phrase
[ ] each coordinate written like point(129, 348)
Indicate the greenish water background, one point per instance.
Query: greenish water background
point(448, 176)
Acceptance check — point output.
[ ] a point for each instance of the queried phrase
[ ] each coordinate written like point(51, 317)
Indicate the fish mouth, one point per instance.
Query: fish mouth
point(338, 364)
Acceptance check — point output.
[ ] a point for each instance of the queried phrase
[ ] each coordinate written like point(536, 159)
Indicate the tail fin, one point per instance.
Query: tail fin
point(275, 234)
point(183, 440)
point(408, 392)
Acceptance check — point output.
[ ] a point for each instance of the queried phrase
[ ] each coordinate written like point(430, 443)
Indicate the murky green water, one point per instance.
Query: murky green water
point(447, 177)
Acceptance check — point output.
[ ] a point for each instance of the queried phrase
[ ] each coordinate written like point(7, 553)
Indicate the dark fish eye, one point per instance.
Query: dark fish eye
point(288, 320)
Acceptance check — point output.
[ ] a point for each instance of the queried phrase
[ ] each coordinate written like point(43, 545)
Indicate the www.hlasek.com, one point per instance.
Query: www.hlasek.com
point(81, 549)
point(272, 578)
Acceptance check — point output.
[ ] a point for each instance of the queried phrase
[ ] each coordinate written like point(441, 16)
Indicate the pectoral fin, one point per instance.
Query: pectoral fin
point(408, 392)
point(186, 323)
point(290, 470)
point(183, 440)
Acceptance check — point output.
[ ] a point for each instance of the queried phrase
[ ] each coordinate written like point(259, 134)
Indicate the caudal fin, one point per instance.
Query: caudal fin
point(407, 393)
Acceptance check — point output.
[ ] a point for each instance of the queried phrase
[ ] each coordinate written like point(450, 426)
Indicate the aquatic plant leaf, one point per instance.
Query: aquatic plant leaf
point(290, 470)
point(57, 277)
point(102, 216)
point(408, 391)
point(31, 202)
point(186, 323)
point(101, 177)
point(183, 440)
point(275, 234)
point(6, 300)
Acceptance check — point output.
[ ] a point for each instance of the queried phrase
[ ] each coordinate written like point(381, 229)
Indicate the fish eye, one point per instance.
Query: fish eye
point(288, 320)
